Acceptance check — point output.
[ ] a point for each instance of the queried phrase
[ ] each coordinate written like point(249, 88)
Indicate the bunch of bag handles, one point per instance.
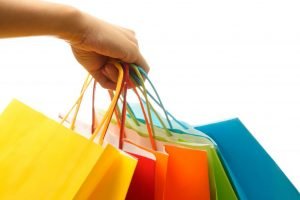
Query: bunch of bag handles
point(103, 125)
point(127, 79)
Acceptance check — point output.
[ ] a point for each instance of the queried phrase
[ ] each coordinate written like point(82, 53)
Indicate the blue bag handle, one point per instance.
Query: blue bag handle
point(158, 102)
point(190, 129)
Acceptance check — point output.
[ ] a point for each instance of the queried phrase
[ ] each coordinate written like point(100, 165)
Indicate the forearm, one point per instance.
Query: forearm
point(94, 42)
point(32, 18)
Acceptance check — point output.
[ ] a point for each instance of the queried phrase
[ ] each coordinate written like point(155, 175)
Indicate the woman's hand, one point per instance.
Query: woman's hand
point(93, 41)
point(98, 42)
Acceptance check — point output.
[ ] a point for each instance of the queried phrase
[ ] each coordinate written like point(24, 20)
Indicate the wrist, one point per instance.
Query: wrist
point(72, 25)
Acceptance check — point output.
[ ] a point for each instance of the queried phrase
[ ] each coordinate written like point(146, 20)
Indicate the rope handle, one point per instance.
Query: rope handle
point(103, 125)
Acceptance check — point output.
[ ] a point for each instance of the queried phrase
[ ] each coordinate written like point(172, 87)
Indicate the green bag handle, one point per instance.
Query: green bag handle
point(191, 129)
point(149, 105)
point(158, 102)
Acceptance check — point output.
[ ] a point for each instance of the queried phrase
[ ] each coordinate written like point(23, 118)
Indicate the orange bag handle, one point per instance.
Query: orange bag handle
point(143, 90)
point(124, 108)
point(146, 98)
point(93, 107)
point(149, 128)
point(103, 126)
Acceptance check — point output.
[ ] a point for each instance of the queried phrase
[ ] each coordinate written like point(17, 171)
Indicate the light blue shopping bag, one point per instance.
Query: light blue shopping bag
point(253, 172)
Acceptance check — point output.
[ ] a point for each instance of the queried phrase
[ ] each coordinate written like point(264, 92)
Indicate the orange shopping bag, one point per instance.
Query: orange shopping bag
point(187, 174)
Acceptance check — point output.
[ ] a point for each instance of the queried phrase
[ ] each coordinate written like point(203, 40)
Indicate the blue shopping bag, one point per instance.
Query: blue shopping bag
point(254, 174)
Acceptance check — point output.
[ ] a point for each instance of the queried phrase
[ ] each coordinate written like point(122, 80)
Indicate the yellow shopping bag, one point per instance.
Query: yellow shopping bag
point(41, 159)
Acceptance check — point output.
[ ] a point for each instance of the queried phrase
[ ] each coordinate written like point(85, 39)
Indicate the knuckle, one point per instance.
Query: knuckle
point(130, 54)
point(102, 83)
point(135, 41)
point(131, 31)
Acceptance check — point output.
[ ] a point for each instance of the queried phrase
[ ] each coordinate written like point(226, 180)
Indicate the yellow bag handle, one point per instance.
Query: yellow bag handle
point(78, 101)
point(84, 87)
point(103, 126)
point(107, 116)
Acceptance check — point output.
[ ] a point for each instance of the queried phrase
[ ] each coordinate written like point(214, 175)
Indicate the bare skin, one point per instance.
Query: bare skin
point(94, 42)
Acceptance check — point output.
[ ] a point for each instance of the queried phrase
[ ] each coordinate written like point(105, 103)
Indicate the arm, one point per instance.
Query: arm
point(93, 41)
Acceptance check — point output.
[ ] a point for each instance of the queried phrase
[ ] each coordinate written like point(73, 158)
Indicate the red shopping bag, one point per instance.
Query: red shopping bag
point(143, 180)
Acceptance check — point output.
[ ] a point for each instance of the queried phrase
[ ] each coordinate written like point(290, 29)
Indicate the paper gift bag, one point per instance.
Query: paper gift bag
point(253, 172)
point(143, 180)
point(42, 159)
point(187, 174)
point(150, 163)
point(115, 182)
point(220, 186)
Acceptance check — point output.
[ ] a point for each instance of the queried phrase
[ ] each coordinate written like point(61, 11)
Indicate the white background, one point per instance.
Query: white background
point(210, 60)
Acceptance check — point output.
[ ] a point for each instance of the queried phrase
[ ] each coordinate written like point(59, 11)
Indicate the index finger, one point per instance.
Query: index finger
point(142, 62)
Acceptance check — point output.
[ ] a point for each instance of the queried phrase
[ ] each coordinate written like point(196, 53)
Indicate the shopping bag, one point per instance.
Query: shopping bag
point(148, 174)
point(220, 185)
point(253, 172)
point(143, 180)
point(146, 178)
point(147, 158)
point(216, 170)
point(42, 159)
point(187, 174)
point(115, 183)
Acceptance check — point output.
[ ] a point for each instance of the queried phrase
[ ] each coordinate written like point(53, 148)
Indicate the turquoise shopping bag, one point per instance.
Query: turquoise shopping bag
point(254, 174)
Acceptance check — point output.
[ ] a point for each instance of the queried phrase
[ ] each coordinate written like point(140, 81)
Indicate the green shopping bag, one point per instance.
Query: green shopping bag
point(220, 185)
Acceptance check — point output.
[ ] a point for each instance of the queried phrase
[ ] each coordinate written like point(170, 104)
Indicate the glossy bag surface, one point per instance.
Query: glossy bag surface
point(143, 180)
point(253, 172)
point(187, 174)
point(220, 186)
point(41, 159)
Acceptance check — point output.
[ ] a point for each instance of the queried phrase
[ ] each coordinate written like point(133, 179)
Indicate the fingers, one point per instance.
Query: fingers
point(103, 42)
point(111, 72)
point(125, 47)
point(142, 63)
point(96, 65)
point(102, 79)
point(132, 54)
point(140, 60)
point(130, 34)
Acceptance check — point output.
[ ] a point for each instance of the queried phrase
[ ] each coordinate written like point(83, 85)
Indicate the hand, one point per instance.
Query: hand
point(93, 41)
point(99, 42)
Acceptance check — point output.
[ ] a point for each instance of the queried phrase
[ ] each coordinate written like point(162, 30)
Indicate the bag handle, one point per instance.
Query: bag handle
point(158, 102)
point(121, 123)
point(149, 127)
point(108, 114)
point(79, 99)
point(147, 102)
point(146, 97)
point(103, 126)
point(185, 127)
point(122, 128)
point(78, 107)
point(140, 71)
point(93, 107)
